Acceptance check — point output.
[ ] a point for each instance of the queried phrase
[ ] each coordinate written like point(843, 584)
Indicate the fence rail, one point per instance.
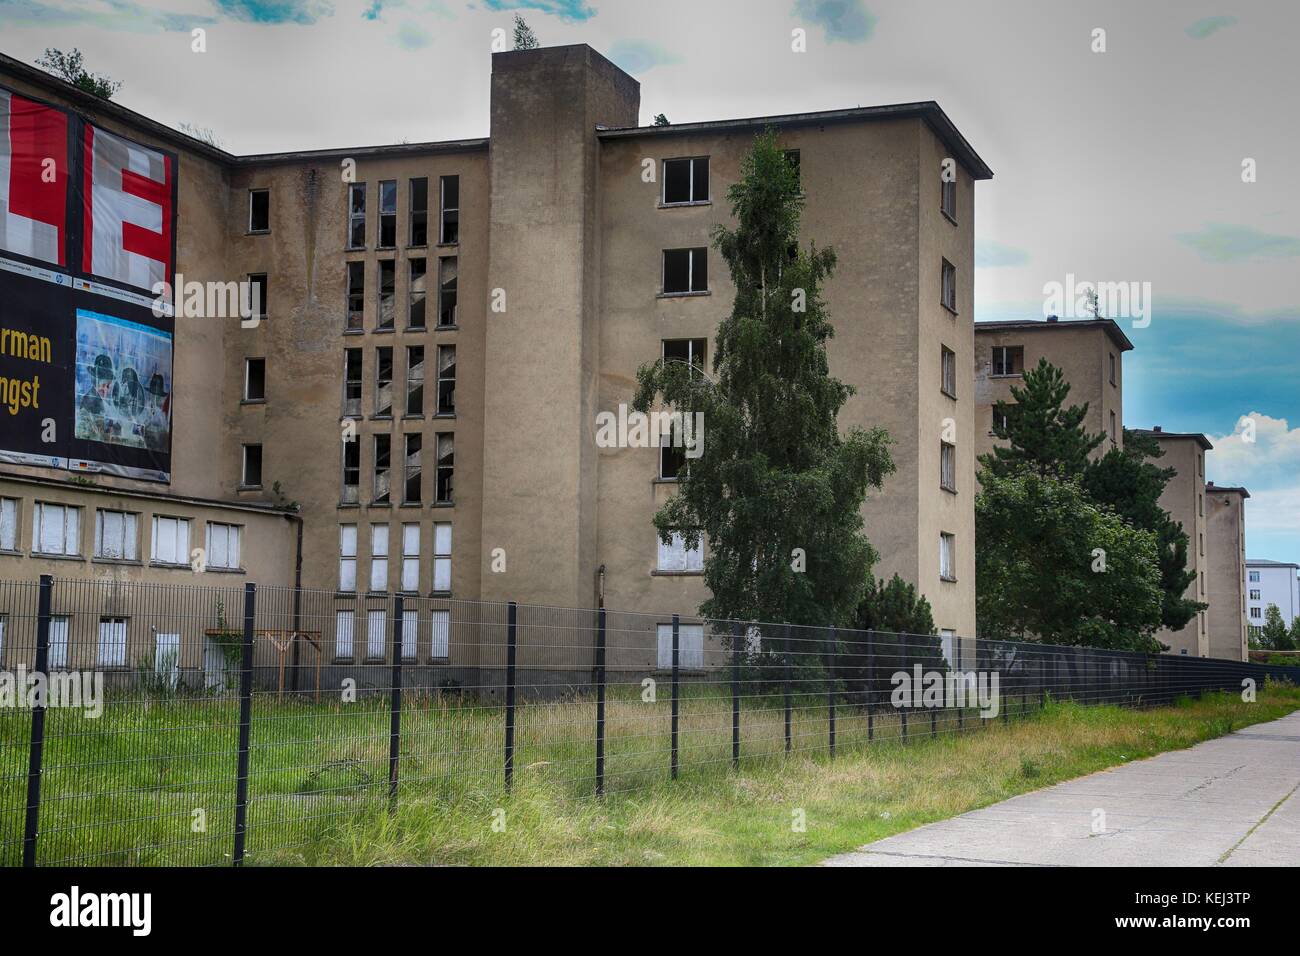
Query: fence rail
point(185, 725)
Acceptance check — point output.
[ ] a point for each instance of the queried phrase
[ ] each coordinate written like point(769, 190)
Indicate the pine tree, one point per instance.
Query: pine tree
point(661, 120)
point(525, 39)
point(1126, 481)
point(1044, 435)
point(777, 492)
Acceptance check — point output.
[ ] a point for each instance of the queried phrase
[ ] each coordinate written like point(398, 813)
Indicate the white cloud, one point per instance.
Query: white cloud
point(1268, 467)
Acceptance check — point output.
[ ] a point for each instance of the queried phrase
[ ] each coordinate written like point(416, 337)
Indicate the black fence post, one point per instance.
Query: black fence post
point(36, 755)
point(676, 679)
point(737, 637)
point(395, 704)
point(512, 616)
point(871, 685)
point(830, 692)
point(786, 687)
point(245, 725)
point(600, 702)
point(961, 685)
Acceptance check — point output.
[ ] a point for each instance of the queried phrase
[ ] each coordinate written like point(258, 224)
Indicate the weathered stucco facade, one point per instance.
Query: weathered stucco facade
point(1225, 530)
point(557, 254)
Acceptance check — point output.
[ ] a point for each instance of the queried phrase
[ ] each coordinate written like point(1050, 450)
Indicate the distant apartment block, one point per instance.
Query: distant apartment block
point(1271, 582)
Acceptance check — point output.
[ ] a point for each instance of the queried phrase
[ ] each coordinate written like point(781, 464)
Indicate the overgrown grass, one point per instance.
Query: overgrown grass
point(125, 789)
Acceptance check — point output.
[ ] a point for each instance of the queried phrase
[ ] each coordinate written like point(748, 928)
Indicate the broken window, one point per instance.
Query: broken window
point(116, 535)
point(383, 382)
point(255, 380)
point(383, 453)
point(685, 270)
point(792, 157)
point(411, 468)
point(686, 180)
point(676, 556)
point(450, 224)
point(446, 467)
point(948, 199)
point(259, 210)
point(446, 380)
point(252, 477)
point(352, 383)
point(415, 380)
point(1008, 359)
point(419, 202)
point(351, 472)
point(356, 295)
point(415, 311)
point(947, 563)
point(947, 466)
point(447, 269)
point(387, 214)
point(672, 454)
point(948, 292)
point(1001, 419)
point(387, 294)
point(949, 371)
point(357, 216)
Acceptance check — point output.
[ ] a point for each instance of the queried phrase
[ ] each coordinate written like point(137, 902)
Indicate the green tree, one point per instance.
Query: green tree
point(1054, 565)
point(525, 39)
point(1294, 634)
point(661, 120)
point(1126, 481)
point(777, 491)
point(894, 630)
point(71, 68)
point(896, 607)
point(1274, 636)
point(1043, 434)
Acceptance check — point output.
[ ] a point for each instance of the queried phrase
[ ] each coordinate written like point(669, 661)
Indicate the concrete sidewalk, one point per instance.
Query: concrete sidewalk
point(1233, 801)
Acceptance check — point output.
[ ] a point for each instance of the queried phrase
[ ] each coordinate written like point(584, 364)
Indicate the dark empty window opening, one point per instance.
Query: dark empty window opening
point(690, 351)
point(685, 271)
point(948, 293)
point(419, 202)
point(257, 292)
point(255, 380)
point(446, 467)
point(252, 466)
point(948, 199)
point(383, 453)
point(447, 269)
point(386, 315)
point(1008, 359)
point(449, 225)
point(352, 383)
point(356, 295)
point(792, 157)
point(686, 181)
point(387, 214)
point(446, 380)
point(672, 455)
point(351, 470)
point(357, 216)
point(259, 210)
point(383, 382)
point(415, 313)
point(415, 380)
point(411, 469)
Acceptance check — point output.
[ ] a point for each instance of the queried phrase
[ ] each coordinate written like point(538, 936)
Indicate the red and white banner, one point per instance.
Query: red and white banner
point(127, 229)
point(33, 178)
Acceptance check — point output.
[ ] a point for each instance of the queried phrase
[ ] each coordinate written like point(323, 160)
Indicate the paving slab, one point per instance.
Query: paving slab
point(1232, 801)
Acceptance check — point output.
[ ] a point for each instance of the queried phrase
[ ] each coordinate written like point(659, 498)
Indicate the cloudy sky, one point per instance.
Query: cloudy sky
point(1117, 166)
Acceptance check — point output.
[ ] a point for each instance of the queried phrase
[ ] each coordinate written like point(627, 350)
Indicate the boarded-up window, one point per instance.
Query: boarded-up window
point(410, 634)
point(8, 524)
point(171, 540)
point(675, 556)
point(347, 557)
point(411, 557)
point(56, 529)
point(375, 636)
point(112, 642)
point(442, 556)
point(223, 545)
point(379, 557)
point(690, 646)
point(441, 621)
point(344, 622)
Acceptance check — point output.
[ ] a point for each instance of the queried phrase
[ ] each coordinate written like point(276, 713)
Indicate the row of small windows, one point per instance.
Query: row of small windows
point(444, 404)
point(430, 629)
point(412, 472)
point(380, 554)
point(416, 295)
point(417, 213)
point(57, 532)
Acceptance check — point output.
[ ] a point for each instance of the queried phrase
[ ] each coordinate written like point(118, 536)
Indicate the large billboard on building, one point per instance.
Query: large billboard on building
point(87, 243)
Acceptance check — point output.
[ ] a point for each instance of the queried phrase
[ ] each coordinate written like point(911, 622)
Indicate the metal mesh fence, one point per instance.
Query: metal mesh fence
point(186, 725)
